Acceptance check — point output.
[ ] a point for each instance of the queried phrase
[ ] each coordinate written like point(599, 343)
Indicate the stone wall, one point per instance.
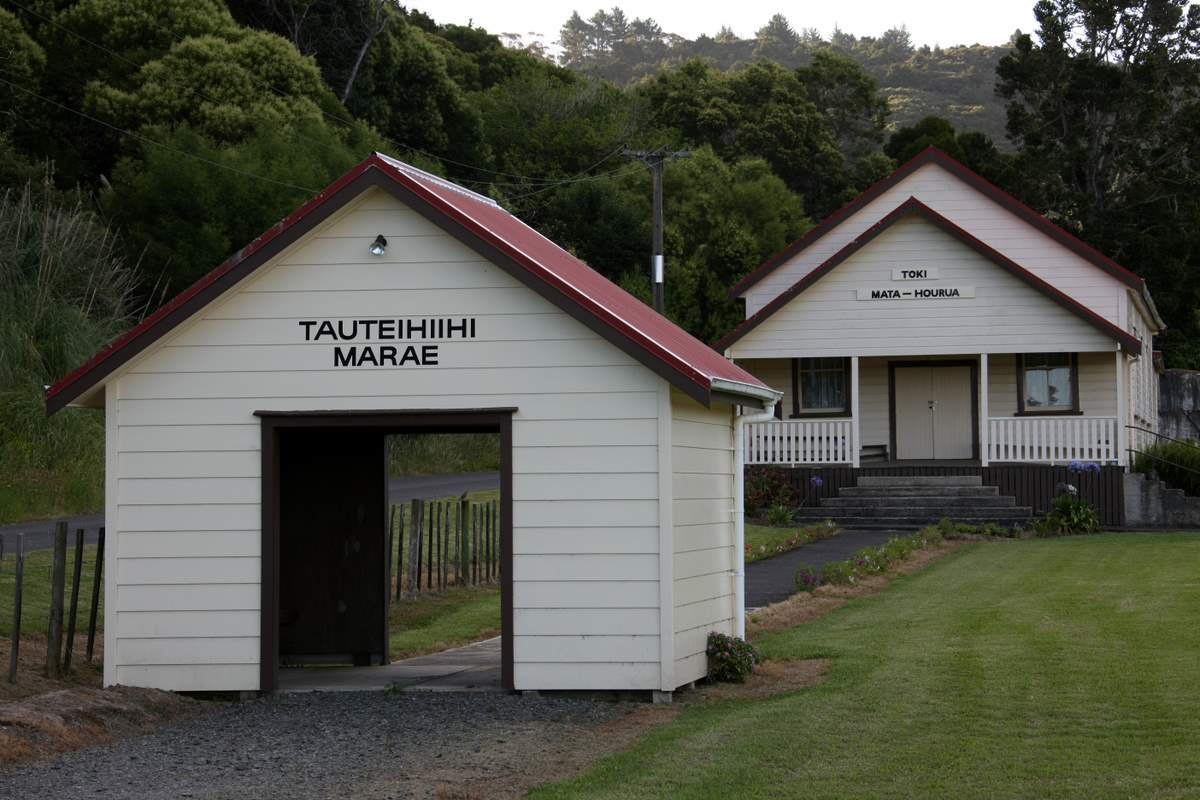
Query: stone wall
point(1179, 404)
point(1150, 503)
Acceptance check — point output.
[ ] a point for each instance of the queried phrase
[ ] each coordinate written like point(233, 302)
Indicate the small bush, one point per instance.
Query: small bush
point(778, 516)
point(838, 572)
point(807, 578)
point(766, 487)
point(730, 659)
point(1069, 515)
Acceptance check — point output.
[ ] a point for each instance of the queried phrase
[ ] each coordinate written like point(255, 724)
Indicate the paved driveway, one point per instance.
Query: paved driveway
point(773, 579)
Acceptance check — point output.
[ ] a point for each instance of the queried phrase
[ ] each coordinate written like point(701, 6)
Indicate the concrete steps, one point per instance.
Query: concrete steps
point(913, 501)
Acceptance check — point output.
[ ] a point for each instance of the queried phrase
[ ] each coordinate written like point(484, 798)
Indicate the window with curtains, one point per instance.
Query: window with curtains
point(819, 386)
point(1049, 383)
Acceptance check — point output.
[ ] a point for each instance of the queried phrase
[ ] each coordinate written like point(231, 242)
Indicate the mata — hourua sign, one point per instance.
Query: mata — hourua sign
point(416, 340)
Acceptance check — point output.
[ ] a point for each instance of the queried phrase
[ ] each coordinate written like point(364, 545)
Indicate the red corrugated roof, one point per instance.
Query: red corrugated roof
point(622, 318)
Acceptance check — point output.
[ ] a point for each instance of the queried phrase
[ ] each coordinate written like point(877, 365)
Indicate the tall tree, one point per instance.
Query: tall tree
point(1104, 109)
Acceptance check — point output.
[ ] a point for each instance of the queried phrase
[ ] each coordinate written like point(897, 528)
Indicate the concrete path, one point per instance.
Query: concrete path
point(40, 535)
point(773, 579)
point(474, 668)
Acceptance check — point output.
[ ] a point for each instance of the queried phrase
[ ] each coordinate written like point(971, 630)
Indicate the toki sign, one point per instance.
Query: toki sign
point(416, 340)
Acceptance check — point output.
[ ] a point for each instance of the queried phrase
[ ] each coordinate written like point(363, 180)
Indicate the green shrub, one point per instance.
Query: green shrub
point(1176, 463)
point(766, 487)
point(838, 572)
point(779, 515)
point(730, 659)
point(1069, 515)
point(807, 578)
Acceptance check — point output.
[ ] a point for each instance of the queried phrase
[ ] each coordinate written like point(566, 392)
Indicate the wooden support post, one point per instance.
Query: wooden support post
point(97, 572)
point(57, 586)
point(18, 577)
point(475, 544)
point(75, 575)
point(855, 416)
point(1122, 411)
point(984, 412)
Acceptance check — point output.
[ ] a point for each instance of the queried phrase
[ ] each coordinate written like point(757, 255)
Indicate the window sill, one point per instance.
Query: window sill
point(819, 414)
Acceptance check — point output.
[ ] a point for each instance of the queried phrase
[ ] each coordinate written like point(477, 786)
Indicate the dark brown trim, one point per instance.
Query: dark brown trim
point(931, 155)
point(1131, 344)
point(798, 411)
point(962, 362)
point(423, 420)
point(1022, 411)
point(199, 295)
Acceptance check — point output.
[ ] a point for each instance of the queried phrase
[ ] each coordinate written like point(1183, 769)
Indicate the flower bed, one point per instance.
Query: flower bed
point(764, 541)
point(869, 560)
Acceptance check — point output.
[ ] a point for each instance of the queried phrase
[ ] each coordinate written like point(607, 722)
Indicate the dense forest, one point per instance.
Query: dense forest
point(143, 141)
point(957, 83)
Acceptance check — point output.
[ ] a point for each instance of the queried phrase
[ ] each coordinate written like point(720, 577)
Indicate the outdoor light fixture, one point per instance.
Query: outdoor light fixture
point(379, 245)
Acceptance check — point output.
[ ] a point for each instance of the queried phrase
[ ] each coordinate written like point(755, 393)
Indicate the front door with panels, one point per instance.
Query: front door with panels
point(934, 418)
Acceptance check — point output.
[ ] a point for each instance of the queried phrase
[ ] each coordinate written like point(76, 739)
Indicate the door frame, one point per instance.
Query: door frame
point(956, 362)
point(476, 420)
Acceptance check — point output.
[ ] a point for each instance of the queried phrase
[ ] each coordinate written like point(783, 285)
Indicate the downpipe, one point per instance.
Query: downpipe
point(739, 510)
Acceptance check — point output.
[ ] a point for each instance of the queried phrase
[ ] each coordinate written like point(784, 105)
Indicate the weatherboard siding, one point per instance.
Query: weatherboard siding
point(1005, 315)
point(974, 211)
point(184, 454)
point(704, 554)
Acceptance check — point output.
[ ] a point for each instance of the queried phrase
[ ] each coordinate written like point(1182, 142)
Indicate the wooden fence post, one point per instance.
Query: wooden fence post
point(391, 540)
point(400, 553)
point(460, 530)
point(414, 547)
point(97, 572)
point(16, 626)
point(444, 558)
point(57, 587)
point(434, 510)
point(78, 571)
point(475, 545)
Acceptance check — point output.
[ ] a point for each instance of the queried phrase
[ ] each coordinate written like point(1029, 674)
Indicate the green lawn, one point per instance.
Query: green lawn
point(1059, 668)
point(432, 622)
point(35, 595)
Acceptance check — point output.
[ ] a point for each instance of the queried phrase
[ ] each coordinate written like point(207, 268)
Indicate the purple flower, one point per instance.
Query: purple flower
point(817, 481)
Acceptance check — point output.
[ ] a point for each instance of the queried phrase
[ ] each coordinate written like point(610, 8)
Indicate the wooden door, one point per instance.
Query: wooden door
point(953, 420)
point(332, 499)
point(934, 414)
point(914, 413)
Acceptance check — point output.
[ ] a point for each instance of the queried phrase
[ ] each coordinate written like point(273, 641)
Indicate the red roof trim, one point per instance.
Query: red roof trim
point(932, 155)
point(375, 170)
point(914, 206)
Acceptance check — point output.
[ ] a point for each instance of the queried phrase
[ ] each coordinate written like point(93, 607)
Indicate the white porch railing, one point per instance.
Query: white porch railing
point(800, 441)
point(1054, 440)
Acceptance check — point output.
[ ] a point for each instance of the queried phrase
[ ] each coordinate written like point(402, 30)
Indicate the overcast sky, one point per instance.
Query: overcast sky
point(943, 22)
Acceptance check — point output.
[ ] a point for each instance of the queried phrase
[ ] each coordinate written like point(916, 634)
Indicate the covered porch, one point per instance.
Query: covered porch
point(964, 409)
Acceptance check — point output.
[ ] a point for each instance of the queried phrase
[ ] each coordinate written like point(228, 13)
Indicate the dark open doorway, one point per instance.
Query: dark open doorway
point(325, 568)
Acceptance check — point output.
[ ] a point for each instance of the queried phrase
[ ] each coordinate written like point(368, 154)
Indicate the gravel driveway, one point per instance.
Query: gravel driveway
point(350, 744)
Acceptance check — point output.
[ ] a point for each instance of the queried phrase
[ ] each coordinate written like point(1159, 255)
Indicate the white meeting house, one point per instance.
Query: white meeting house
point(936, 319)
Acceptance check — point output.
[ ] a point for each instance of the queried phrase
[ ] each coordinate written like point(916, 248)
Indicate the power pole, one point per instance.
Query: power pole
point(656, 160)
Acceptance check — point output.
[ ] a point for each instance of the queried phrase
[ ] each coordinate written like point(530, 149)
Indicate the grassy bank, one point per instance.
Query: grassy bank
point(1057, 668)
point(764, 541)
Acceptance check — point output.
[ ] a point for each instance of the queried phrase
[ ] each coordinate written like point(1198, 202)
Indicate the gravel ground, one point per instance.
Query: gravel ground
point(351, 744)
